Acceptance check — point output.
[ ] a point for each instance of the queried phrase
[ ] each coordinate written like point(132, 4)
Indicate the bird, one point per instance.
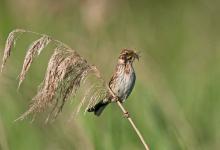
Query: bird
point(121, 83)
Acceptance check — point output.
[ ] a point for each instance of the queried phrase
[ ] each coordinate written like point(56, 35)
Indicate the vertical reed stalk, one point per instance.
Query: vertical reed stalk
point(133, 125)
point(126, 114)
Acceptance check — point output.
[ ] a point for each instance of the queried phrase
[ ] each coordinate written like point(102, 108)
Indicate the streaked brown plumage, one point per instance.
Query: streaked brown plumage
point(122, 81)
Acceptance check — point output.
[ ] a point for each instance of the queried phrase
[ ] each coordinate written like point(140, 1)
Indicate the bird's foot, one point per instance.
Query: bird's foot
point(115, 99)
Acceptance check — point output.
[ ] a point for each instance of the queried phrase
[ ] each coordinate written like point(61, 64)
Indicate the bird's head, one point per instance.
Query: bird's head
point(128, 56)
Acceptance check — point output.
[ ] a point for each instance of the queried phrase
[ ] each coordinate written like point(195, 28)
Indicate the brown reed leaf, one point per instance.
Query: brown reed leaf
point(34, 49)
point(10, 42)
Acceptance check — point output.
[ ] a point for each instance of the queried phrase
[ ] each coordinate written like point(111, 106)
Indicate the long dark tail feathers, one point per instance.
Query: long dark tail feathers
point(98, 108)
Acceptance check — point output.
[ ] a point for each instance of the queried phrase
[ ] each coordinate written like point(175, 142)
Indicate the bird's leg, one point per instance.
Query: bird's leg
point(112, 95)
point(115, 98)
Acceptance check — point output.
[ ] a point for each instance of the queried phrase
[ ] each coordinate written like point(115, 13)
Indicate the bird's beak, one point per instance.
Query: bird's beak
point(136, 55)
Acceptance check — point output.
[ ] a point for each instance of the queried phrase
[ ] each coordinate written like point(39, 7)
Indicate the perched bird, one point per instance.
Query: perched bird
point(121, 83)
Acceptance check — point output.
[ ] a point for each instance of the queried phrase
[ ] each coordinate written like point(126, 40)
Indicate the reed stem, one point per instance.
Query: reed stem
point(126, 113)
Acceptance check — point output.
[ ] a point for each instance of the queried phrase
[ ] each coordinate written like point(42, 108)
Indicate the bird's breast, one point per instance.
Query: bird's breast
point(124, 83)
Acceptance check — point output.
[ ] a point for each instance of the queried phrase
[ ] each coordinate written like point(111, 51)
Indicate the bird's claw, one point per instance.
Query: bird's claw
point(115, 99)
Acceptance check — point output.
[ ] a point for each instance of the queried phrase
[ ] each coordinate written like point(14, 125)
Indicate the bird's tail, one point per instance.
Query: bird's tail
point(98, 108)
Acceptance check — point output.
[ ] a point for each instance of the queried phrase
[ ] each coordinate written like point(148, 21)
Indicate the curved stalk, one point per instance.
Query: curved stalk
point(126, 114)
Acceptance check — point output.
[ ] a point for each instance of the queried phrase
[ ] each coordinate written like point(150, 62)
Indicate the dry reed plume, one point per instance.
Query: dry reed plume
point(65, 72)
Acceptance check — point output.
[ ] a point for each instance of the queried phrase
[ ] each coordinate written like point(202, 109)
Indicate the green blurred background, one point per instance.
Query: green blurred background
point(176, 100)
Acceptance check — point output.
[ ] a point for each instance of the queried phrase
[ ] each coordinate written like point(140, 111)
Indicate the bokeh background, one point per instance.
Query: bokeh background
point(176, 100)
